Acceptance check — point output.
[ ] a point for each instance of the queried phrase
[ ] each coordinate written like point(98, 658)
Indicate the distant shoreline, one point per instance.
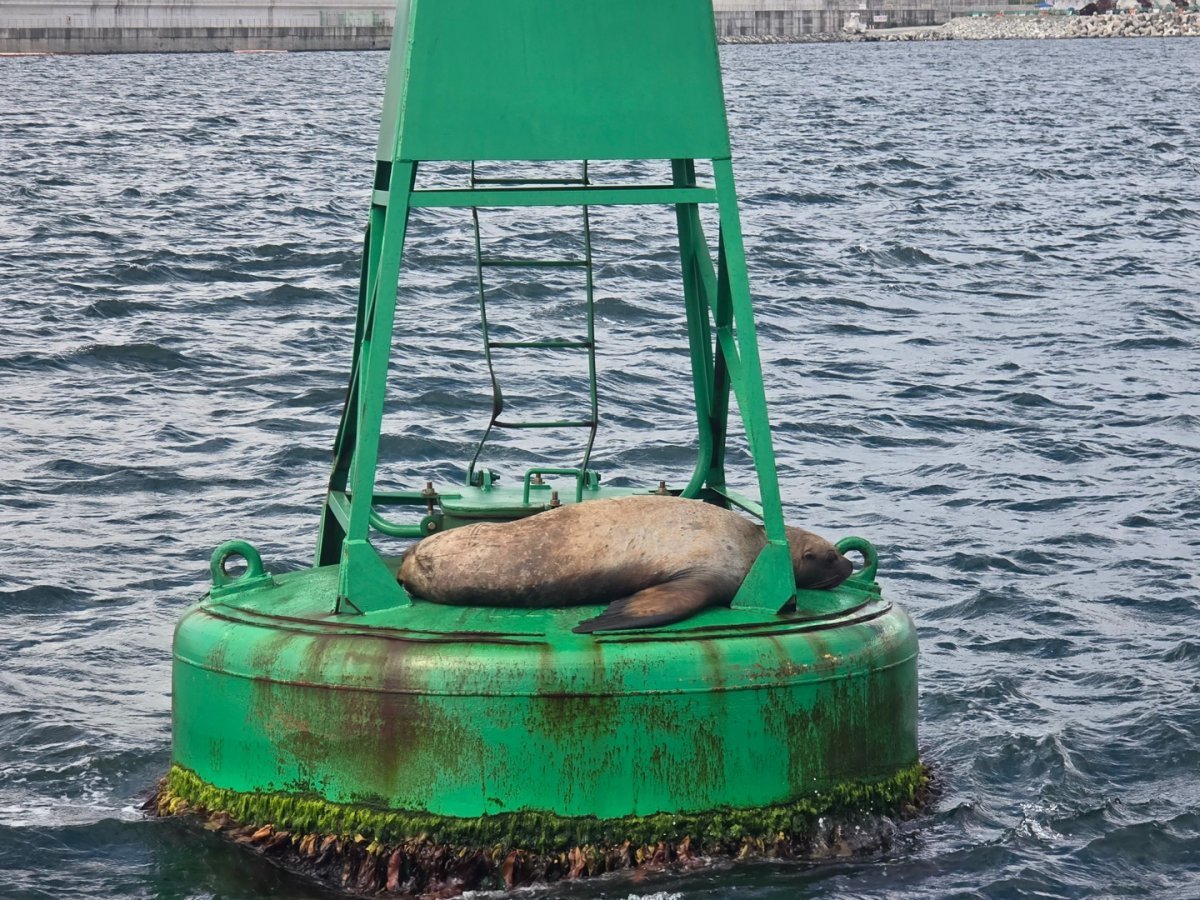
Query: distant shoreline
point(260, 39)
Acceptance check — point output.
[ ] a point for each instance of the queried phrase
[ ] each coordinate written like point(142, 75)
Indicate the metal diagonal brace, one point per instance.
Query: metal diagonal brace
point(365, 584)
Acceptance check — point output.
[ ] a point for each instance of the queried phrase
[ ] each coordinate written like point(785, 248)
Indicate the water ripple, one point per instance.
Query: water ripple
point(974, 266)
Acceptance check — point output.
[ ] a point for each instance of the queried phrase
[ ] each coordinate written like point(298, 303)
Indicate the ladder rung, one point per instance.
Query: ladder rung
point(545, 345)
point(534, 263)
point(614, 195)
point(560, 424)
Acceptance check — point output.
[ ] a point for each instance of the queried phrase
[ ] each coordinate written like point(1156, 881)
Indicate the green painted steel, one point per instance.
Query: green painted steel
point(544, 79)
point(464, 712)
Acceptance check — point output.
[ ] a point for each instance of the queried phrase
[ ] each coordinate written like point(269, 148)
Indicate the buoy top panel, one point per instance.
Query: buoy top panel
point(547, 80)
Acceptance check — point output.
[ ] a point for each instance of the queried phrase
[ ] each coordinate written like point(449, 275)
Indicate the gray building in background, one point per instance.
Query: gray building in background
point(130, 26)
point(787, 18)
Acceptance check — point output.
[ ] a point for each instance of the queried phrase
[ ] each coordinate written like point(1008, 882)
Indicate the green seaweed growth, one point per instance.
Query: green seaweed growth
point(542, 832)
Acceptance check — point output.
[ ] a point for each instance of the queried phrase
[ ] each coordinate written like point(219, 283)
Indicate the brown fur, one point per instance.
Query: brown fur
point(654, 560)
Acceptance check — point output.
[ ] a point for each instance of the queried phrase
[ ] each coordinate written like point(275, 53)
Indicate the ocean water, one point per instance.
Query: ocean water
point(977, 269)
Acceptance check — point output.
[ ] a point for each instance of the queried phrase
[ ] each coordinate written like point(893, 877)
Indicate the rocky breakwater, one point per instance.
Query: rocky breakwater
point(1042, 27)
point(1007, 27)
point(1168, 24)
point(989, 28)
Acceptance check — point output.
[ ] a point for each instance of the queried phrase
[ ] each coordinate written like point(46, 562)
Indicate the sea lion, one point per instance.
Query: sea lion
point(653, 559)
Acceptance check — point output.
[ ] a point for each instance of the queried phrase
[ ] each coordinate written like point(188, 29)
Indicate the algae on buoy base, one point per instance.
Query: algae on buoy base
point(369, 851)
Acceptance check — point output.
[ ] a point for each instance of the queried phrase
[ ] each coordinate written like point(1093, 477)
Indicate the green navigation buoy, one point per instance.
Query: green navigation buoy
point(392, 744)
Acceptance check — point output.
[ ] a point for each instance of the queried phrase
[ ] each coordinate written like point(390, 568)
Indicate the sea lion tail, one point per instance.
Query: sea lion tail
point(660, 604)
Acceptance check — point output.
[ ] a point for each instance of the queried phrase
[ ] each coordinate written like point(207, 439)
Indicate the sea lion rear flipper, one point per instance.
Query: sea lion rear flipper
point(660, 604)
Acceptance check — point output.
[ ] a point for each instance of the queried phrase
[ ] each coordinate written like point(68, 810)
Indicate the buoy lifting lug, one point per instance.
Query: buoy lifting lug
point(870, 555)
point(224, 582)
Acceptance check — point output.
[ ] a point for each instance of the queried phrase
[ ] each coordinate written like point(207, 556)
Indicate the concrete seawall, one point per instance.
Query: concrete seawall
point(195, 39)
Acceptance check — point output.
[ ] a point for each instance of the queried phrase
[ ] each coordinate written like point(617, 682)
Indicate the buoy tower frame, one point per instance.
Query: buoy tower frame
point(547, 81)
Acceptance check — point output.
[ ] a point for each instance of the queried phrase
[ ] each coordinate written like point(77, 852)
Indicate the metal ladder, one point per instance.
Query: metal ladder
point(481, 478)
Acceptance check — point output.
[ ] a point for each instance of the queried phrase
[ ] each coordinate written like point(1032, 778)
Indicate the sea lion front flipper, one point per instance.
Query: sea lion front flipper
point(659, 604)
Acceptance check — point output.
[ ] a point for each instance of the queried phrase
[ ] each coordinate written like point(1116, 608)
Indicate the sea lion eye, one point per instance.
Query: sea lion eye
point(808, 554)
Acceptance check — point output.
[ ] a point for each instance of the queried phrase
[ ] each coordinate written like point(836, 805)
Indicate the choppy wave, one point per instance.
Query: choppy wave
point(980, 316)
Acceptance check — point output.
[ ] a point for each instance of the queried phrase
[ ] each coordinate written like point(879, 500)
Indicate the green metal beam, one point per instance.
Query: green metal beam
point(693, 253)
point(365, 583)
point(771, 582)
point(482, 198)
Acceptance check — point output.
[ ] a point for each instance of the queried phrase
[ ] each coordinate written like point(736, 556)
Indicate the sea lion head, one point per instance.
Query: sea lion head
point(816, 562)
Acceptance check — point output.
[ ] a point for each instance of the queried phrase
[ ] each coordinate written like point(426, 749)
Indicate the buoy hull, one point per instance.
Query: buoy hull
point(463, 713)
